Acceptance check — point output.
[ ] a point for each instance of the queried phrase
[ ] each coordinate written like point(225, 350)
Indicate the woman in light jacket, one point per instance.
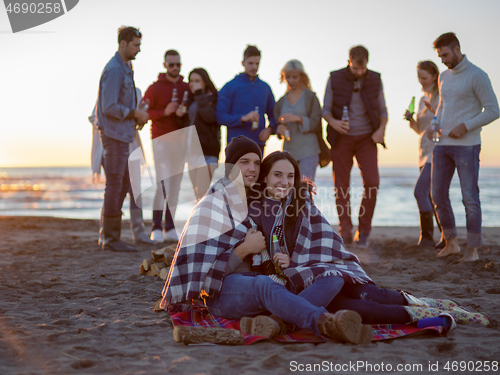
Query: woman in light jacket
point(299, 113)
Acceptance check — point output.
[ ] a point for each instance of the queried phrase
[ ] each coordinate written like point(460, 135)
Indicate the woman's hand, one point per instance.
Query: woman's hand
point(281, 260)
point(281, 130)
point(290, 117)
point(408, 115)
point(429, 107)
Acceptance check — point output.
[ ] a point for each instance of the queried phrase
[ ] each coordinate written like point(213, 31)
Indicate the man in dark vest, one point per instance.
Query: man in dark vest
point(359, 91)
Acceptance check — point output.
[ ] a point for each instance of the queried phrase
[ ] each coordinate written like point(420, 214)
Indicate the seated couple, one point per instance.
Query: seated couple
point(279, 261)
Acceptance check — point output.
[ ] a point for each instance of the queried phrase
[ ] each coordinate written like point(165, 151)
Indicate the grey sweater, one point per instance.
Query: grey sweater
point(465, 91)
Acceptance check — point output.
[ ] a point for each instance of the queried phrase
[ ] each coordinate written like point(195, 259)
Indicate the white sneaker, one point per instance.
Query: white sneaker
point(170, 235)
point(156, 235)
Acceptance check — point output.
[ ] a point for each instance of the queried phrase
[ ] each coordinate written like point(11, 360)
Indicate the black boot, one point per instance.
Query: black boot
point(111, 228)
point(137, 226)
point(426, 229)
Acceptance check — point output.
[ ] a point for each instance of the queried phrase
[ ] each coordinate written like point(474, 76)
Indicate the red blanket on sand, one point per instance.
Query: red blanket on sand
point(201, 318)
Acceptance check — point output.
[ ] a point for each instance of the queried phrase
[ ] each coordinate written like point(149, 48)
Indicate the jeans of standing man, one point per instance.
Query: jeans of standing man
point(115, 164)
point(422, 189)
point(465, 159)
point(308, 166)
point(375, 305)
point(253, 294)
point(364, 150)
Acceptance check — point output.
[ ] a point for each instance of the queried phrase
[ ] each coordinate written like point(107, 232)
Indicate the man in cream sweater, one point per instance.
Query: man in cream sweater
point(467, 103)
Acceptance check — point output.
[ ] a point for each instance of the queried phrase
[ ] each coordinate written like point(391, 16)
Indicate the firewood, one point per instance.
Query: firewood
point(142, 270)
point(157, 307)
point(157, 267)
point(158, 254)
point(196, 335)
point(146, 264)
point(164, 273)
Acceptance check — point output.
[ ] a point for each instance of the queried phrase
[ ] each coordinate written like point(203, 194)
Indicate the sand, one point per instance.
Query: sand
point(67, 307)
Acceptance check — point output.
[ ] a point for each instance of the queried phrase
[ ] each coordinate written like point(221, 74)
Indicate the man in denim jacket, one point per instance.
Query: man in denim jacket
point(117, 118)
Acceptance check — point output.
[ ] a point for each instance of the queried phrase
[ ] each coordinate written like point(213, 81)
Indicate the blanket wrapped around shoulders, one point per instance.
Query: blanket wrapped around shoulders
point(215, 227)
point(319, 252)
point(219, 223)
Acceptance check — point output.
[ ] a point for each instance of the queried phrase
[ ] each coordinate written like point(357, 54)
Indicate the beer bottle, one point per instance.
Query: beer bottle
point(255, 124)
point(174, 95)
point(411, 107)
point(184, 102)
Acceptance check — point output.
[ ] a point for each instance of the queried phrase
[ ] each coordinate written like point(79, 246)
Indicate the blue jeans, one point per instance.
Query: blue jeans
point(375, 305)
point(465, 159)
point(308, 166)
point(252, 294)
point(117, 176)
point(422, 189)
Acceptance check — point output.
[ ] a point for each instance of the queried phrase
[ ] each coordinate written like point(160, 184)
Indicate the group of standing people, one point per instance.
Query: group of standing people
point(256, 248)
point(354, 109)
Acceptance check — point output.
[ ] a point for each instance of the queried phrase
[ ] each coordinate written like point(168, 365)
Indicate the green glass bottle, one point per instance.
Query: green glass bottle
point(411, 107)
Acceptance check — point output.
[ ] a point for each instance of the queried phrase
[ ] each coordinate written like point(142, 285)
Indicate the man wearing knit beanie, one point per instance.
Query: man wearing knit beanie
point(246, 155)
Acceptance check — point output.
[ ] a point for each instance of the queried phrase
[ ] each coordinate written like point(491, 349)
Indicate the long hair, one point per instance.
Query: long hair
point(430, 68)
point(295, 65)
point(301, 187)
point(209, 85)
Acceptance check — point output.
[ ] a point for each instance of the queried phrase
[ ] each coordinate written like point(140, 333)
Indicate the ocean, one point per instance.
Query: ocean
point(69, 193)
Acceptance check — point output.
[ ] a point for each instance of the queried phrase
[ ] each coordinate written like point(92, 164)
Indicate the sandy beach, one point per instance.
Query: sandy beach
point(67, 307)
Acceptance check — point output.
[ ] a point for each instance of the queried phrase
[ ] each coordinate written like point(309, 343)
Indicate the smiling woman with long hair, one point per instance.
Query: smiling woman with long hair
point(428, 74)
point(311, 257)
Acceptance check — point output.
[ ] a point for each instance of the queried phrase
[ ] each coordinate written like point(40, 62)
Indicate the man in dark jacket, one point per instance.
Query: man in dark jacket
point(360, 92)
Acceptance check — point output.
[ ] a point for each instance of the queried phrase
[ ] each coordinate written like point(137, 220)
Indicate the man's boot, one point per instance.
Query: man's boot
point(426, 229)
point(112, 227)
point(137, 226)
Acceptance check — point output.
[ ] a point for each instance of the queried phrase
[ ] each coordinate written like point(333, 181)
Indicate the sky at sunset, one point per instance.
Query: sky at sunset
point(50, 74)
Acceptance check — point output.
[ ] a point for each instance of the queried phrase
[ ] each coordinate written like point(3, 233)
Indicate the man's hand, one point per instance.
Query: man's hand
point(250, 116)
point(254, 243)
point(281, 260)
point(341, 126)
point(171, 108)
point(141, 116)
point(265, 134)
point(458, 131)
point(378, 135)
point(179, 112)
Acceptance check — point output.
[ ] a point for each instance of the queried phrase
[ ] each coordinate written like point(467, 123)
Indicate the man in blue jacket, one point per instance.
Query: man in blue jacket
point(244, 100)
point(117, 118)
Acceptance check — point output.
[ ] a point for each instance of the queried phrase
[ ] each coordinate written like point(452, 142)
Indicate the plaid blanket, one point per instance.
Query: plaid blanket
point(201, 318)
point(319, 252)
point(214, 228)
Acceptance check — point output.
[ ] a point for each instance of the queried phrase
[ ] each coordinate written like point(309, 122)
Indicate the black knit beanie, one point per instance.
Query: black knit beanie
point(240, 146)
